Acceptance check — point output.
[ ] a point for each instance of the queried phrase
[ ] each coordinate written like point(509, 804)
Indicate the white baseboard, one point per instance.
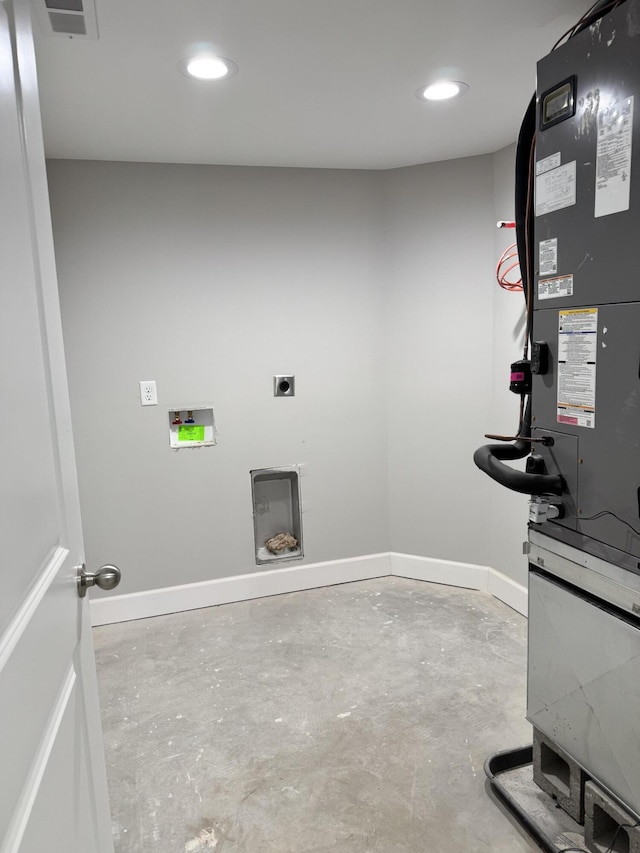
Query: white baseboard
point(507, 590)
point(173, 599)
point(465, 575)
point(439, 571)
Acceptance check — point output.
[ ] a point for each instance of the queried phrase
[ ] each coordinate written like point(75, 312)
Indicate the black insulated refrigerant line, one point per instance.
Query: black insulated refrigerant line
point(489, 459)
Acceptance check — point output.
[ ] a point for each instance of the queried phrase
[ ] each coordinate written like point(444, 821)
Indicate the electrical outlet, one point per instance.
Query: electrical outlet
point(148, 393)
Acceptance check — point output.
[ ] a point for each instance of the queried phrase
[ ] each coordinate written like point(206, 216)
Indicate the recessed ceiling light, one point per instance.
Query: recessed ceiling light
point(443, 90)
point(207, 67)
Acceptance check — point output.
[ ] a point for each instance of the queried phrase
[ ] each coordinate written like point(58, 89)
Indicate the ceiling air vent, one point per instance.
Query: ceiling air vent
point(68, 18)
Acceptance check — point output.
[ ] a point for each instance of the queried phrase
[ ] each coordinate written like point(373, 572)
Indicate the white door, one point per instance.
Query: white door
point(53, 794)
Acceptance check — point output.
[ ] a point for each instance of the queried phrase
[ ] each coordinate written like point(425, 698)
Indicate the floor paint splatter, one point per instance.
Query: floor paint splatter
point(205, 840)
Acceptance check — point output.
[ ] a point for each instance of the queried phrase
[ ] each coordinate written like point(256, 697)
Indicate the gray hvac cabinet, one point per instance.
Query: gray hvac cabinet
point(584, 586)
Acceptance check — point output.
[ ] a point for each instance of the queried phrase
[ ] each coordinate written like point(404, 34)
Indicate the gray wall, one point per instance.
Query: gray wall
point(211, 280)
point(440, 227)
point(375, 288)
point(507, 510)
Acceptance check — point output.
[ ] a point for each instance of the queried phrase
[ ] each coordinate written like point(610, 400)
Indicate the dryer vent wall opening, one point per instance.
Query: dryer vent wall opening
point(277, 515)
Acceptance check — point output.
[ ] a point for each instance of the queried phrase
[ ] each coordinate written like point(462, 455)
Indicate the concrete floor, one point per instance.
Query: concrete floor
point(350, 719)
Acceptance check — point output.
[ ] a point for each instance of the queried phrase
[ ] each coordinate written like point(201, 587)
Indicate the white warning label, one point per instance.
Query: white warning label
point(577, 352)
point(613, 158)
point(556, 189)
point(548, 163)
point(553, 288)
point(548, 256)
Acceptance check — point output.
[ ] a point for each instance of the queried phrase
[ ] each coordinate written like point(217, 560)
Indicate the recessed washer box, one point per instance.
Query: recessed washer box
point(191, 426)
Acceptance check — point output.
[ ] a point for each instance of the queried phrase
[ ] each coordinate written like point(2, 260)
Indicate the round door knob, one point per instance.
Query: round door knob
point(107, 577)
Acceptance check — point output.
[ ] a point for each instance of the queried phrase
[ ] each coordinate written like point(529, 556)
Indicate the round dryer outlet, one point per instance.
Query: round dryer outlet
point(284, 386)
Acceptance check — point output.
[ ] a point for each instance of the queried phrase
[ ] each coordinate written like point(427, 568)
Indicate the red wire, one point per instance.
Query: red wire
point(509, 254)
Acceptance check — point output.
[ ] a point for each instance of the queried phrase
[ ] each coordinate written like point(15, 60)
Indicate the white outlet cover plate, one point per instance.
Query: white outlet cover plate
point(148, 393)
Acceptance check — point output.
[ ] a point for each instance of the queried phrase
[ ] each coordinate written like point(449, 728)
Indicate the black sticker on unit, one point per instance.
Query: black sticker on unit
point(558, 103)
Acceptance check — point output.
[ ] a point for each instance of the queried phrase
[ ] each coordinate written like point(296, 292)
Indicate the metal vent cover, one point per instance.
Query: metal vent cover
point(68, 18)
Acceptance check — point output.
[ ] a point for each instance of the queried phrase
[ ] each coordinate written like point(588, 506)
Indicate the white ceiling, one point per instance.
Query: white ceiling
point(322, 83)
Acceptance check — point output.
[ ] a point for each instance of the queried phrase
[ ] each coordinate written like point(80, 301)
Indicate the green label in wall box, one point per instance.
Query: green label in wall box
point(191, 432)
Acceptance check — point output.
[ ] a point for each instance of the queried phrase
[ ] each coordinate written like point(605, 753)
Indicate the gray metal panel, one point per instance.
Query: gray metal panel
point(561, 458)
point(611, 583)
point(598, 252)
point(583, 675)
point(609, 455)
